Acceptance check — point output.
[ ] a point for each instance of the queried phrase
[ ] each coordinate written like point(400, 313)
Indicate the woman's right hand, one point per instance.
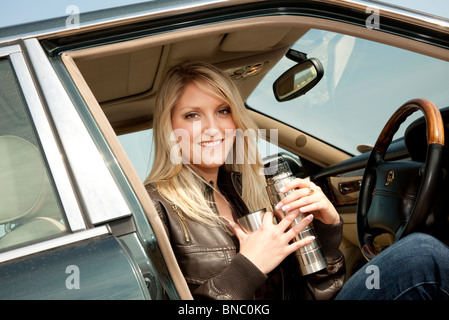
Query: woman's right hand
point(268, 246)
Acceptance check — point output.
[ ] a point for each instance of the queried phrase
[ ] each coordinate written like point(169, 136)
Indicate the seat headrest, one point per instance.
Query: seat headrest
point(22, 178)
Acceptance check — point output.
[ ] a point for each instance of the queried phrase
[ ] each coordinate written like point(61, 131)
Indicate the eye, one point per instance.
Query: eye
point(224, 111)
point(191, 115)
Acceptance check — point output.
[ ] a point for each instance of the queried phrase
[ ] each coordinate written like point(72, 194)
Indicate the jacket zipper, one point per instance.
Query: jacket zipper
point(215, 203)
point(182, 220)
point(235, 188)
point(225, 227)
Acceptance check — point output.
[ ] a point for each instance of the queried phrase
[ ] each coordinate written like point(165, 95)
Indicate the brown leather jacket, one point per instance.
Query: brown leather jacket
point(213, 268)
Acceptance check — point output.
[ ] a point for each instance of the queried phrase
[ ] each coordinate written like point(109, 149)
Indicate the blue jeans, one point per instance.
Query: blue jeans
point(414, 268)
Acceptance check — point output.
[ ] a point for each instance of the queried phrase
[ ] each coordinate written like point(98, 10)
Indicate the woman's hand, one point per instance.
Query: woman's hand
point(268, 246)
point(308, 198)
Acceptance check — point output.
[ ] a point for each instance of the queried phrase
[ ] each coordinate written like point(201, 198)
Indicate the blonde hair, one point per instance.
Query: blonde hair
point(179, 183)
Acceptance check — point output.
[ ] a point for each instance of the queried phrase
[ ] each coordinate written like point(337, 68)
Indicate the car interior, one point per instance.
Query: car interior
point(30, 209)
point(119, 81)
point(37, 214)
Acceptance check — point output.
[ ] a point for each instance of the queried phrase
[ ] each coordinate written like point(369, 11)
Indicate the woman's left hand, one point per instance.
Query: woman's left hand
point(309, 199)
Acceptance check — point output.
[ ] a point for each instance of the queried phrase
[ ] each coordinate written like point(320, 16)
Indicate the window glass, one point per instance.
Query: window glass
point(29, 207)
point(139, 148)
point(364, 83)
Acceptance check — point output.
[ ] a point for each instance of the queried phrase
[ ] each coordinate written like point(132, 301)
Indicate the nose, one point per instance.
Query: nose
point(211, 132)
point(210, 126)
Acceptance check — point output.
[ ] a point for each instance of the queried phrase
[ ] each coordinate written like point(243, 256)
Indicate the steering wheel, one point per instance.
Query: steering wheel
point(396, 196)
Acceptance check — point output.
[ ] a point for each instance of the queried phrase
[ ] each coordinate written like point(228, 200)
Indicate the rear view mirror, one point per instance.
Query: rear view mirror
point(297, 80)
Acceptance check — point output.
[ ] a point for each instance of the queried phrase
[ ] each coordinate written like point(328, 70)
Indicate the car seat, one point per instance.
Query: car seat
point(28, 207)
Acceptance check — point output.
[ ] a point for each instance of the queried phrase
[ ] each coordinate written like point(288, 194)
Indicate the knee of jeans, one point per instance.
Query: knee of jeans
point(420, 239)
point(421, 244)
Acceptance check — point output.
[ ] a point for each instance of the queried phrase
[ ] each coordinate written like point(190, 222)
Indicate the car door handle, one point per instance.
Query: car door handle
point(349, 186)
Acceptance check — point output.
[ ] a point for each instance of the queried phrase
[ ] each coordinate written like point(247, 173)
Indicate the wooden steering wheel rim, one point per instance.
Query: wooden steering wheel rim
point(434, 123)
point(435, 141)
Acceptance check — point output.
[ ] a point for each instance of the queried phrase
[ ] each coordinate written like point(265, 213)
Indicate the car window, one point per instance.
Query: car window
point(364, 83)
point(29, 207)
point(139, 148)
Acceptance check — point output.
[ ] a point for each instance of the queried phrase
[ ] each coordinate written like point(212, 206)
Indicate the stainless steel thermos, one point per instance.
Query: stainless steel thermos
point(310, 257)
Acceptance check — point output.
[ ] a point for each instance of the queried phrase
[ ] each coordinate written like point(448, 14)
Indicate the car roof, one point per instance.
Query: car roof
point(60, 22)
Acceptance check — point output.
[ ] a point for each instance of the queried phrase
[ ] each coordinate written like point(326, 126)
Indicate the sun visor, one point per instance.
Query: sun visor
point(121, 75)
point(250, 41)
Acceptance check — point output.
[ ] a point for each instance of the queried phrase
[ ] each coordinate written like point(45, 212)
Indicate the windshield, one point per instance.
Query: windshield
point(364, 83)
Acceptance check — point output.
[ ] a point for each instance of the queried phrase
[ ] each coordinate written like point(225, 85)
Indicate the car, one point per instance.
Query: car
point(365, 122)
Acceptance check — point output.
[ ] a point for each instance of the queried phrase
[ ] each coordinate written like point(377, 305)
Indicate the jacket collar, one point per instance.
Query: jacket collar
point(229, 184)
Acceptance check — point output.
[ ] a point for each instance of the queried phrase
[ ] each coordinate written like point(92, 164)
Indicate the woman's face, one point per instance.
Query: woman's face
point(204, 128)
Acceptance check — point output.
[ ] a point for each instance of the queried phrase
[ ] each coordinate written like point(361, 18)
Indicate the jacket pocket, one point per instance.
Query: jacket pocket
point(199, 264)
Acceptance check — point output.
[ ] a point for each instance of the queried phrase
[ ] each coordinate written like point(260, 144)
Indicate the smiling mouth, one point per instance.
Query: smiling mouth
point(211, 144)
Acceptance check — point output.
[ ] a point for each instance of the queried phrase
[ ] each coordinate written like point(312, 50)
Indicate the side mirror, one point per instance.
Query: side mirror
point(297, 80)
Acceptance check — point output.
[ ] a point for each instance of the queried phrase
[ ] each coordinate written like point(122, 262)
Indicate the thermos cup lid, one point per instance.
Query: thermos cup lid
point(275, 167)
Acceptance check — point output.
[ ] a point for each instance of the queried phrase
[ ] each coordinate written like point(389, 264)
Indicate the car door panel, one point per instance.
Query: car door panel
point(91, 269)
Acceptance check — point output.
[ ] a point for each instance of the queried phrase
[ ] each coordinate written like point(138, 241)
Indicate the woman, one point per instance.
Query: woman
point(202, 182)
